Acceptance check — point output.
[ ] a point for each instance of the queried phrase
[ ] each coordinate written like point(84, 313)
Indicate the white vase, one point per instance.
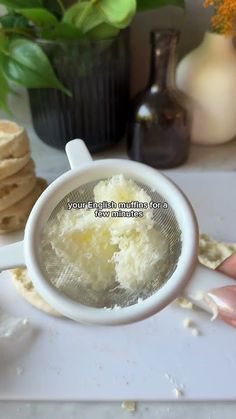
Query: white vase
point(208, 76)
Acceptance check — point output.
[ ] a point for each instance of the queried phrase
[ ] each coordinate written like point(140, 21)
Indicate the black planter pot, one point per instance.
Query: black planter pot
point(97, 74)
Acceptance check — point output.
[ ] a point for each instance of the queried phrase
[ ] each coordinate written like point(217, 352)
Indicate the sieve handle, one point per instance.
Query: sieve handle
point(77, 153)
point(12, 256)
point(203, 281)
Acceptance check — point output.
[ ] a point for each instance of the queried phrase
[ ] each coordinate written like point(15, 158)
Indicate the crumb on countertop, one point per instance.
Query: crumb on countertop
point(19, 370)
point(196, 332)
point(129, 406)
point(178, 389)
point(185, 303)
point(178, 392)
point(189, 324)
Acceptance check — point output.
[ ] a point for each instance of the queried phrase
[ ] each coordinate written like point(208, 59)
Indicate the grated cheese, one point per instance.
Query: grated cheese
point(109, 251)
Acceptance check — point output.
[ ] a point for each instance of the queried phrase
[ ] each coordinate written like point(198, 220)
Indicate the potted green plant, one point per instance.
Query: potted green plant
point(73, 56)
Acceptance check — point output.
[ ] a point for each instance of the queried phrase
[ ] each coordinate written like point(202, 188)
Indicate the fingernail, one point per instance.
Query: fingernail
point(222, 301)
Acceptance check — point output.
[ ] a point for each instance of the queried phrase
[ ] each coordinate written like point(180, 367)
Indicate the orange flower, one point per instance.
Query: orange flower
point(224, 19)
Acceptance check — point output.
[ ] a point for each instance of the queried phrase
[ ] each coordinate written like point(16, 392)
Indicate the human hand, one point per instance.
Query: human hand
point(224, 299)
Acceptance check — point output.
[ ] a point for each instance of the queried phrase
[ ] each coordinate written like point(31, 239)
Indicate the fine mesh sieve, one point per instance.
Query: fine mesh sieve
point(70, 297)
point(59, 286)
point(65, 278)
point(54, 279)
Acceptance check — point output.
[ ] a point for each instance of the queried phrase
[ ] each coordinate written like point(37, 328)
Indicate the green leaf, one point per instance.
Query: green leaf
point(4, 86)
point(73, 11)
point(103, 31)
point(63, 32)
point(87, 17)
point(143, 5)
point(84, 15)
point(19, 4)
point(118, 13)
point(27, 65)
point(4, 91)
point(41, 17)
point(53, 6)
point(13, 20)
point(4, 42)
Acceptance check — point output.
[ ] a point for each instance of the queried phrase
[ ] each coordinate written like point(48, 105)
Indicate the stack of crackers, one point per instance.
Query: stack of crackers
point(19, 186)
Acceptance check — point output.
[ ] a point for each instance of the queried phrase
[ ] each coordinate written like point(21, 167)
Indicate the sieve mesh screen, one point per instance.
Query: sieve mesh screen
point(63, 276)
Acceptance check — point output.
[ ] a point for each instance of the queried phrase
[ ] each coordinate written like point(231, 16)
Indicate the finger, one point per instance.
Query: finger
point(223, 300)
point(228, 267)
point(223, 303)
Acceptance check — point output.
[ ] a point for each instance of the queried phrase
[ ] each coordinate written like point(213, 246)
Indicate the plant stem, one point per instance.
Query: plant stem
point(4, 52)
point(17, 31)
point(60, 3)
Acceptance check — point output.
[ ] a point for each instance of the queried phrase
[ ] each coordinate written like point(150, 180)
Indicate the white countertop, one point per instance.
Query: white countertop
point(51, 163)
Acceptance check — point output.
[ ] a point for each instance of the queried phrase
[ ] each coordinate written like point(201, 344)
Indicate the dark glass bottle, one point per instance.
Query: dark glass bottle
point(159, 132)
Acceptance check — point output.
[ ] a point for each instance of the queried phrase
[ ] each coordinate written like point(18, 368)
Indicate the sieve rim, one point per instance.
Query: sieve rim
point(137, 171)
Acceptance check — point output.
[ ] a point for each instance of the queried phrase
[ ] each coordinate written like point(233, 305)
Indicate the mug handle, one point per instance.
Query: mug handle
point(12, 256)
point(204, 280)
point(77, 153)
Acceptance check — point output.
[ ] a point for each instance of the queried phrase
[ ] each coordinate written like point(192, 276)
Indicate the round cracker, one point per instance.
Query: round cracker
point(212, 252)
point(16, 187)
point(14, 141)
point(11, 166)
point(25, 288)
point(15, 217)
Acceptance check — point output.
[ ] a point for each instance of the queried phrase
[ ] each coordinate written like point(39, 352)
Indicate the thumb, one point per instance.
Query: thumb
point(223, 300)
point(228, 267)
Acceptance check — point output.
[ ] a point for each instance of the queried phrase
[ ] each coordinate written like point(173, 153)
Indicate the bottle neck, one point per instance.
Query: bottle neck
point(163, 65)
